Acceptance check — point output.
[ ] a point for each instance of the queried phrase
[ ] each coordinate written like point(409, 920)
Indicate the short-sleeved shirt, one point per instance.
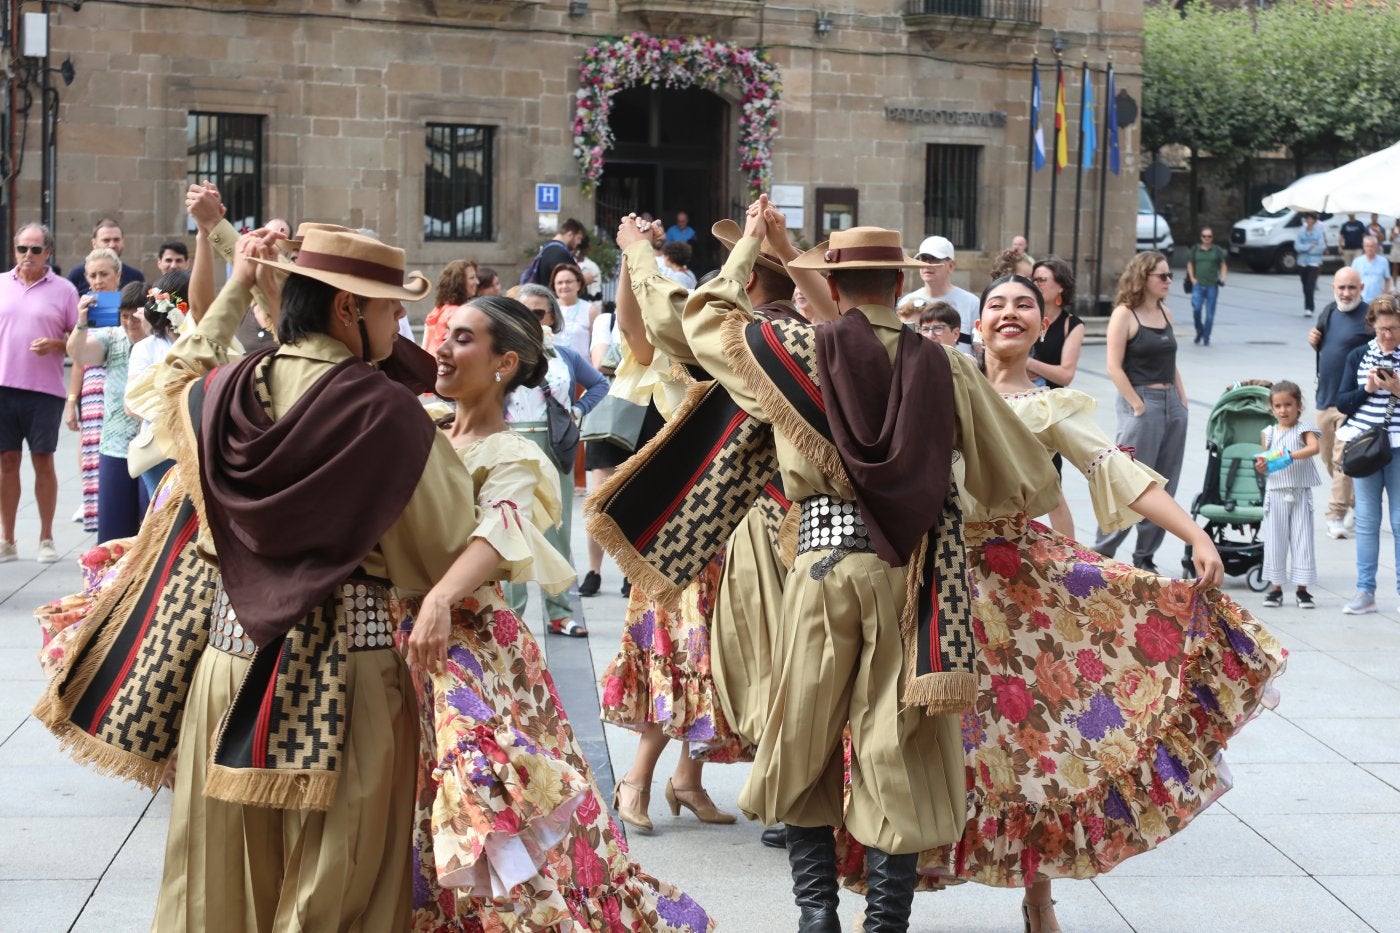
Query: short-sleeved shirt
point(48, 308)
point(1353, 234)
point(1205, 264)
point(1343, 332)
point(78, 276)
point(118, 425)
point(967, 304)
point(674, 233)
point(1374, 272)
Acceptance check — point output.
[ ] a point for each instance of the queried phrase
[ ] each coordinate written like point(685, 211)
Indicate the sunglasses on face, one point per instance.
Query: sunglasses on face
point(931, 260)
point(1164, 276)
point(36, 250)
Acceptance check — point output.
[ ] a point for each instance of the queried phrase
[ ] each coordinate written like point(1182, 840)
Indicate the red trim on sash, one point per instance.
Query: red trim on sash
point(645, 538)
point(265, 715)
point(776, 494)
point(804, 381)
point(155, 588)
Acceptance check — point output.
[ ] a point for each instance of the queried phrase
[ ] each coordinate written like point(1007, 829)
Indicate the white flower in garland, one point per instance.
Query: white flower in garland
point(172, 306)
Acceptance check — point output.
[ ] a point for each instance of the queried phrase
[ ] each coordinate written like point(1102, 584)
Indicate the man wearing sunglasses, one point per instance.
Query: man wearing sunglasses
point(38, 310)
point(938, 285)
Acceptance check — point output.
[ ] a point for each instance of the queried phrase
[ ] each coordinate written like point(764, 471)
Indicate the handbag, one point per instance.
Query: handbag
point(1369, 452)
point(1187, 285)
point(563, 432)
point(616, 421)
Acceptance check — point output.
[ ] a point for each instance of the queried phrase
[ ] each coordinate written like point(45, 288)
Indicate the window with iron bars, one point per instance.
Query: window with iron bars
point(458, 182)
point(950, 193)
point(227, 149)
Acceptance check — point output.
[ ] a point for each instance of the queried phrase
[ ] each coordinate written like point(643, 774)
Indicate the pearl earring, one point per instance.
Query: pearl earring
point(498, 377)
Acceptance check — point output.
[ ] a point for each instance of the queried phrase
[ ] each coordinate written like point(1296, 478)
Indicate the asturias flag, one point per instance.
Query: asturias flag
point(1061, 123)
point(1038, 148)
point(1086, 121)
point(1112, 124)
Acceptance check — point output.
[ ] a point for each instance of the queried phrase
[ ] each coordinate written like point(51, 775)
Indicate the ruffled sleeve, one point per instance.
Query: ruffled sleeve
point(517, 498)
point(1116, 480)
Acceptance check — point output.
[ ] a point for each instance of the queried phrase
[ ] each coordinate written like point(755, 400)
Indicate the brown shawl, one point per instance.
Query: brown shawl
point(893, 425)
point(295, 504)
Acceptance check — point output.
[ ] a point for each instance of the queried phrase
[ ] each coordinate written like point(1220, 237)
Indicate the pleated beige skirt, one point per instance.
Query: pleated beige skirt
point(237, 869)
point(745, 630)
point(842, 661)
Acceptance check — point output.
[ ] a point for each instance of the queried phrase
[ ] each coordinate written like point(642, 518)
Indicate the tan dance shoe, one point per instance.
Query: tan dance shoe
point(634, 816)
point(1040, 910)
point(697, 801)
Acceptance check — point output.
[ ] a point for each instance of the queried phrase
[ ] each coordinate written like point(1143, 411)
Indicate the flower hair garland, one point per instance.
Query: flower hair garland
point(698, 61)
point(171, 305)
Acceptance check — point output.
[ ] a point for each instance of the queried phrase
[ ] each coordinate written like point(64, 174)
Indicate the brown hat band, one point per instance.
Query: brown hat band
point(865, 254)
point(344, 265)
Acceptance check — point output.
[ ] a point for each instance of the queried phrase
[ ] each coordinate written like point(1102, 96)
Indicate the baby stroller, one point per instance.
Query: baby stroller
point(1232, 499)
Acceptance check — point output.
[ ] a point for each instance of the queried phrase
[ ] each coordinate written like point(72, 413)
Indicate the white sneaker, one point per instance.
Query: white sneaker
point(1362, 603)
point(8, 551)
point(48, 554)
point(1336, 529)
point(78, 516)
point(1349, 523)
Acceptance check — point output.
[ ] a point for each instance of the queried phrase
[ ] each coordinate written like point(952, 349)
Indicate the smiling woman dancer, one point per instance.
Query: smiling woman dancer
point(509, 815)
point(1105, 693)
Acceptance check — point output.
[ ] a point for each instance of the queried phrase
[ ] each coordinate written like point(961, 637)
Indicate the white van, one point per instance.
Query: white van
point(1153, 231)
point(1265, 240)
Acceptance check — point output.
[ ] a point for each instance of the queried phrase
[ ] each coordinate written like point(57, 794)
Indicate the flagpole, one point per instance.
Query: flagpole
point(1030, 145)
point(1103, 178)
point(1055, 157)
point(1079, 175)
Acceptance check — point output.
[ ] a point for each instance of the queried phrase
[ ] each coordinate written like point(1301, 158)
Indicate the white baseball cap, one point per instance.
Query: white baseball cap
point(938, 247)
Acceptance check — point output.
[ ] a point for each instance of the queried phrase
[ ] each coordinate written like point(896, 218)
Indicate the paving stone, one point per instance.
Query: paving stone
point(1243, 904)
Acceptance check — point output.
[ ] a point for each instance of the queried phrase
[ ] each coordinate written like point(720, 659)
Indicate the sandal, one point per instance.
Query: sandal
point(568, 627)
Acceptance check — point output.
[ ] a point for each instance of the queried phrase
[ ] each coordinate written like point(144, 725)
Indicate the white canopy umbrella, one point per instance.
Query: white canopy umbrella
point(1368, 185)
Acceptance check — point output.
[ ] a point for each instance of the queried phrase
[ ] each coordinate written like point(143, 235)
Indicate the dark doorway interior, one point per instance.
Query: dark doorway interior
point(669, 155)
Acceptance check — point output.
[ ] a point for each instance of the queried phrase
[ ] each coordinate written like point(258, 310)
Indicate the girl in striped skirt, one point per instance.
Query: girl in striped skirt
point(1289, 447)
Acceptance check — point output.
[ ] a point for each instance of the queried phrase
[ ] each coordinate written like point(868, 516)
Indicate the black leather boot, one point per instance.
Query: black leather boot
point(775, 836)
point(812, 855)
point(890, 896)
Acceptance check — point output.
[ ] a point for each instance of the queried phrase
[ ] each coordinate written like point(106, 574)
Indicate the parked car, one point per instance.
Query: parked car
point(1265, 240)
point(1153, 232)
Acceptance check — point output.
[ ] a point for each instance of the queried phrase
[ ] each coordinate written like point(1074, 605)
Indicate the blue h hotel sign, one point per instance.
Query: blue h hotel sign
point(547, 199)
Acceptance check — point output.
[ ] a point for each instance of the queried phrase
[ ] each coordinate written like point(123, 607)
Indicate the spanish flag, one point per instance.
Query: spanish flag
point(1061, 122)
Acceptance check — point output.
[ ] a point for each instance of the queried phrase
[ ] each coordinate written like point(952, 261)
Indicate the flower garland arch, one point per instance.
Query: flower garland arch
point(698, 61)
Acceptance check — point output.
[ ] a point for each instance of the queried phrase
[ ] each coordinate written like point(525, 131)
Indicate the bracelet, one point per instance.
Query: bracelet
point(72, 398)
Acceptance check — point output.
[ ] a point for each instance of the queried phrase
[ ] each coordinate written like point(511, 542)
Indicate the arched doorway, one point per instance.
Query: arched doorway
point(670, 153)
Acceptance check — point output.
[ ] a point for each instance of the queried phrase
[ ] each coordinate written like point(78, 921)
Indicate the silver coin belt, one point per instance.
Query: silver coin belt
point(828, 522)
point(364, 607)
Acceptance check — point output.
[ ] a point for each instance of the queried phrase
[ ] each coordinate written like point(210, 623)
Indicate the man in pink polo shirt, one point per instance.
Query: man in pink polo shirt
point(38, 310)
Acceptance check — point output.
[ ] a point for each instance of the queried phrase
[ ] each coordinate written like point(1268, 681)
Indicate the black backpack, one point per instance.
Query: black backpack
point(532, 269)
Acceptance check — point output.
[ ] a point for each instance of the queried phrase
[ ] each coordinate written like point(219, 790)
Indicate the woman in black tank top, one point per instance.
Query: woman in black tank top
point(1056, 356)
point(1151, 397)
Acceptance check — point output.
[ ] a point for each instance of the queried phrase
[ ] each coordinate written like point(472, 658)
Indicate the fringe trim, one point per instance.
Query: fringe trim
point(265, 787)
point(662, 590)
point(787, 536)
point(779, 410)
point(942, 693)
point(186, 452)
point(55, 707)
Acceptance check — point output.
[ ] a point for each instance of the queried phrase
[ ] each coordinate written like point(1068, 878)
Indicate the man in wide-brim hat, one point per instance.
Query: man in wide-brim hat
point(876, 630)
point(321, 484)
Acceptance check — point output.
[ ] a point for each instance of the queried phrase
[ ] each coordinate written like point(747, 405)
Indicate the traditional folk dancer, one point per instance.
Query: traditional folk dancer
point(510, 831)
point(875, 631)
point(1105, 693)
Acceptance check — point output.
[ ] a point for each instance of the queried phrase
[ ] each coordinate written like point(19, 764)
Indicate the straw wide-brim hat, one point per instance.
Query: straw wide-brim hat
point(728, 232)
point(360, 265)
point(858, 248)
point(293, 243)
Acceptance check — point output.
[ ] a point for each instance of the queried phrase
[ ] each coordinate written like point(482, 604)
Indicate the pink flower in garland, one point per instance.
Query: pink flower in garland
point(696, 62)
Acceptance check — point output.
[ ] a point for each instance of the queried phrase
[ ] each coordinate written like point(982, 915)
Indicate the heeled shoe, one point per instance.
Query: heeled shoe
point(1040, 909)
point(704, 808)
point(634, 816)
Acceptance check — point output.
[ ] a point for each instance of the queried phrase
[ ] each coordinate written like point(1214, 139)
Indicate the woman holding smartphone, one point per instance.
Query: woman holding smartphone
point(1368, 394)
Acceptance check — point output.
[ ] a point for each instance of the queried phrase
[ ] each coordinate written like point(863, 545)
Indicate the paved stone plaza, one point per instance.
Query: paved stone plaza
point(1305, 841)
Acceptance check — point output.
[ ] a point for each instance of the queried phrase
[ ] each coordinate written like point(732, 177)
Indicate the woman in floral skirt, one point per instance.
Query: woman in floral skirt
point(660, 683)
point(1106, 693)
point(510, 830)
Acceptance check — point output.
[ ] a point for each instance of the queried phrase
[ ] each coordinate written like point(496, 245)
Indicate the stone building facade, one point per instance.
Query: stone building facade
point(431, 121)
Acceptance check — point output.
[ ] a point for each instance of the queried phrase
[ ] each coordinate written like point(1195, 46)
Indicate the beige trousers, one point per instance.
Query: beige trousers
point(842, 661)
point(1341, 496)
point(258, 870)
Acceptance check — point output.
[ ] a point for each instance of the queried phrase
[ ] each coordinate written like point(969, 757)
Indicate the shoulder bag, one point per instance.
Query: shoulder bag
point(563, 432)
point(616, 421)
point(1369, 452)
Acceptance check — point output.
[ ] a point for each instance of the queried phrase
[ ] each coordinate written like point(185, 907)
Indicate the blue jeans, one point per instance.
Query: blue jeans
point(1204, 295)
point(1368, 522)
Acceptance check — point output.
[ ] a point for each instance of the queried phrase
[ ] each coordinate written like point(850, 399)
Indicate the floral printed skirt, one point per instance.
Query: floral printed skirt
point(1106, 694)
point(661, 674)
point(510, 832)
